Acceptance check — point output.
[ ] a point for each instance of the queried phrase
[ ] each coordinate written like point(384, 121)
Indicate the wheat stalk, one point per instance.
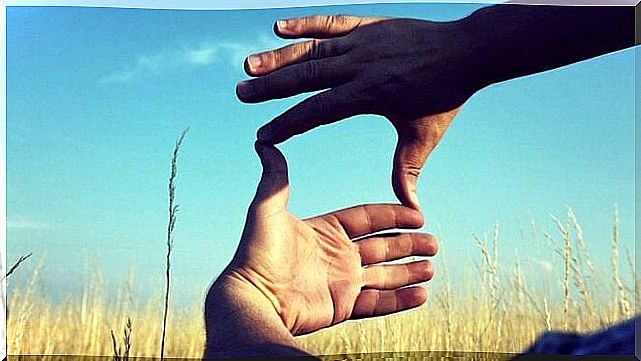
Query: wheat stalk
point(547, 318)
point(446, 302)
point(467, 321)
point(581, 241)
point(119, 353)
point(115, 346)
point(624, 305)
point(173, 210)
point(567, 257)
point(636, 285)
point(490, 267)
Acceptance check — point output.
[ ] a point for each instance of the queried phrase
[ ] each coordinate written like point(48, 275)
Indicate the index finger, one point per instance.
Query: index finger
point(327, 107)
point(369, 218)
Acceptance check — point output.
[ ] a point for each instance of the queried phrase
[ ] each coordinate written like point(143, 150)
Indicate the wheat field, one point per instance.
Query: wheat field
point(497, 309)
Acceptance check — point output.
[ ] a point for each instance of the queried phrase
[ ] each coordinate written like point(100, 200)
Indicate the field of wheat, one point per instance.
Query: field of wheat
point(497, 309)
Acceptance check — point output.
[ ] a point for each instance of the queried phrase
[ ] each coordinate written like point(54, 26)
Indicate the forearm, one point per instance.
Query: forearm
point(511, 41)
point(241, 322)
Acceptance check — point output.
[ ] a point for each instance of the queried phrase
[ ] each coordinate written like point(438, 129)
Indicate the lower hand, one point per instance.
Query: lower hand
point(312, 271)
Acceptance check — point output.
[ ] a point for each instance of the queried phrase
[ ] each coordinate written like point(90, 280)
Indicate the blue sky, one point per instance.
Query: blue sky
point(96, 98)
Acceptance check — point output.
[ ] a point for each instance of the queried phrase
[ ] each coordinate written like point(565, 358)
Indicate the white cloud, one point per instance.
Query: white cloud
point(118, 77)
point(206, 53)
point(202, 56)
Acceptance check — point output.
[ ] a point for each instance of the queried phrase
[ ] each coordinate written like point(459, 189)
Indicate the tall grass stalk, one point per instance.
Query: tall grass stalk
point(464, 318)
point(585, 254)
point(445, 300)
point(624, 305)
point(636, 286)
point(121, 354)
point(567, 258)
point(173, 211)
point(16, 265)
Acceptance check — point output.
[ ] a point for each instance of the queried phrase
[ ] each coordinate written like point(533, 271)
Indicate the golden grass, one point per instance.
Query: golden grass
point(497, 309)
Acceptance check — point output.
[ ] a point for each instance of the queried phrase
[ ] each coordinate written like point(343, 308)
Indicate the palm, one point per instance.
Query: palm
point(319, 269)
point(313, 271)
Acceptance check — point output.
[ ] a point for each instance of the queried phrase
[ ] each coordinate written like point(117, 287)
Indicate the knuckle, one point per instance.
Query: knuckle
point(367, 216)
point(407, 245)
point(315, 49)
point(296, 52)
point(313, 22)
point(330, 22)
point(304, 22)
point(275, 58)
point(390, 26)
point(318, 103)
point(385, 278)
point(411, 163)
point(413, 171)
point(333, 221)
point(395, 215)
point(375, 305)
point(408, 274)
point(310, 72)
point(259, 85)
point(387, 251)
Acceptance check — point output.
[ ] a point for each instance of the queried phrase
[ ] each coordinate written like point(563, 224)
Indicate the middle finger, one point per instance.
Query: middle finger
point(392, 246)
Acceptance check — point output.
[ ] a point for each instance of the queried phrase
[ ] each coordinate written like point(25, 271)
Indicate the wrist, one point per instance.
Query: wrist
point(241, 321)
point(470, 62)
point(483, 60)
point(230, 295)
point(508, 41)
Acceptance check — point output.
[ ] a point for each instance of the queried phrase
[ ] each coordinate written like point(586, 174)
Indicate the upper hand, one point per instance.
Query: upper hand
point(312, 271)
point(413, 72)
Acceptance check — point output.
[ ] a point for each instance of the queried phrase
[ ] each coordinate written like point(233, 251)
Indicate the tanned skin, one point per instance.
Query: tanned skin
point(294, 276)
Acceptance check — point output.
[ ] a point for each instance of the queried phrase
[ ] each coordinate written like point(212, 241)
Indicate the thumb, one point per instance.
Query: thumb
point(409, 157)
point(273, 188)
point(416, 140)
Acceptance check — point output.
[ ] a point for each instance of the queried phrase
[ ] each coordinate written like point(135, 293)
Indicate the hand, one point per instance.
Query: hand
point(312, 271)
point(416, 73)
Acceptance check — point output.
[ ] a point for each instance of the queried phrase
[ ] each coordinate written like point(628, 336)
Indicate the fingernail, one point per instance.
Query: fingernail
point(283, 24)
point(264, 134)
point(254, 62)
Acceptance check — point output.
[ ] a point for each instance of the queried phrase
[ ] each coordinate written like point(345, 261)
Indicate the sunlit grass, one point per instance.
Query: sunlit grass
point(497, 309)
